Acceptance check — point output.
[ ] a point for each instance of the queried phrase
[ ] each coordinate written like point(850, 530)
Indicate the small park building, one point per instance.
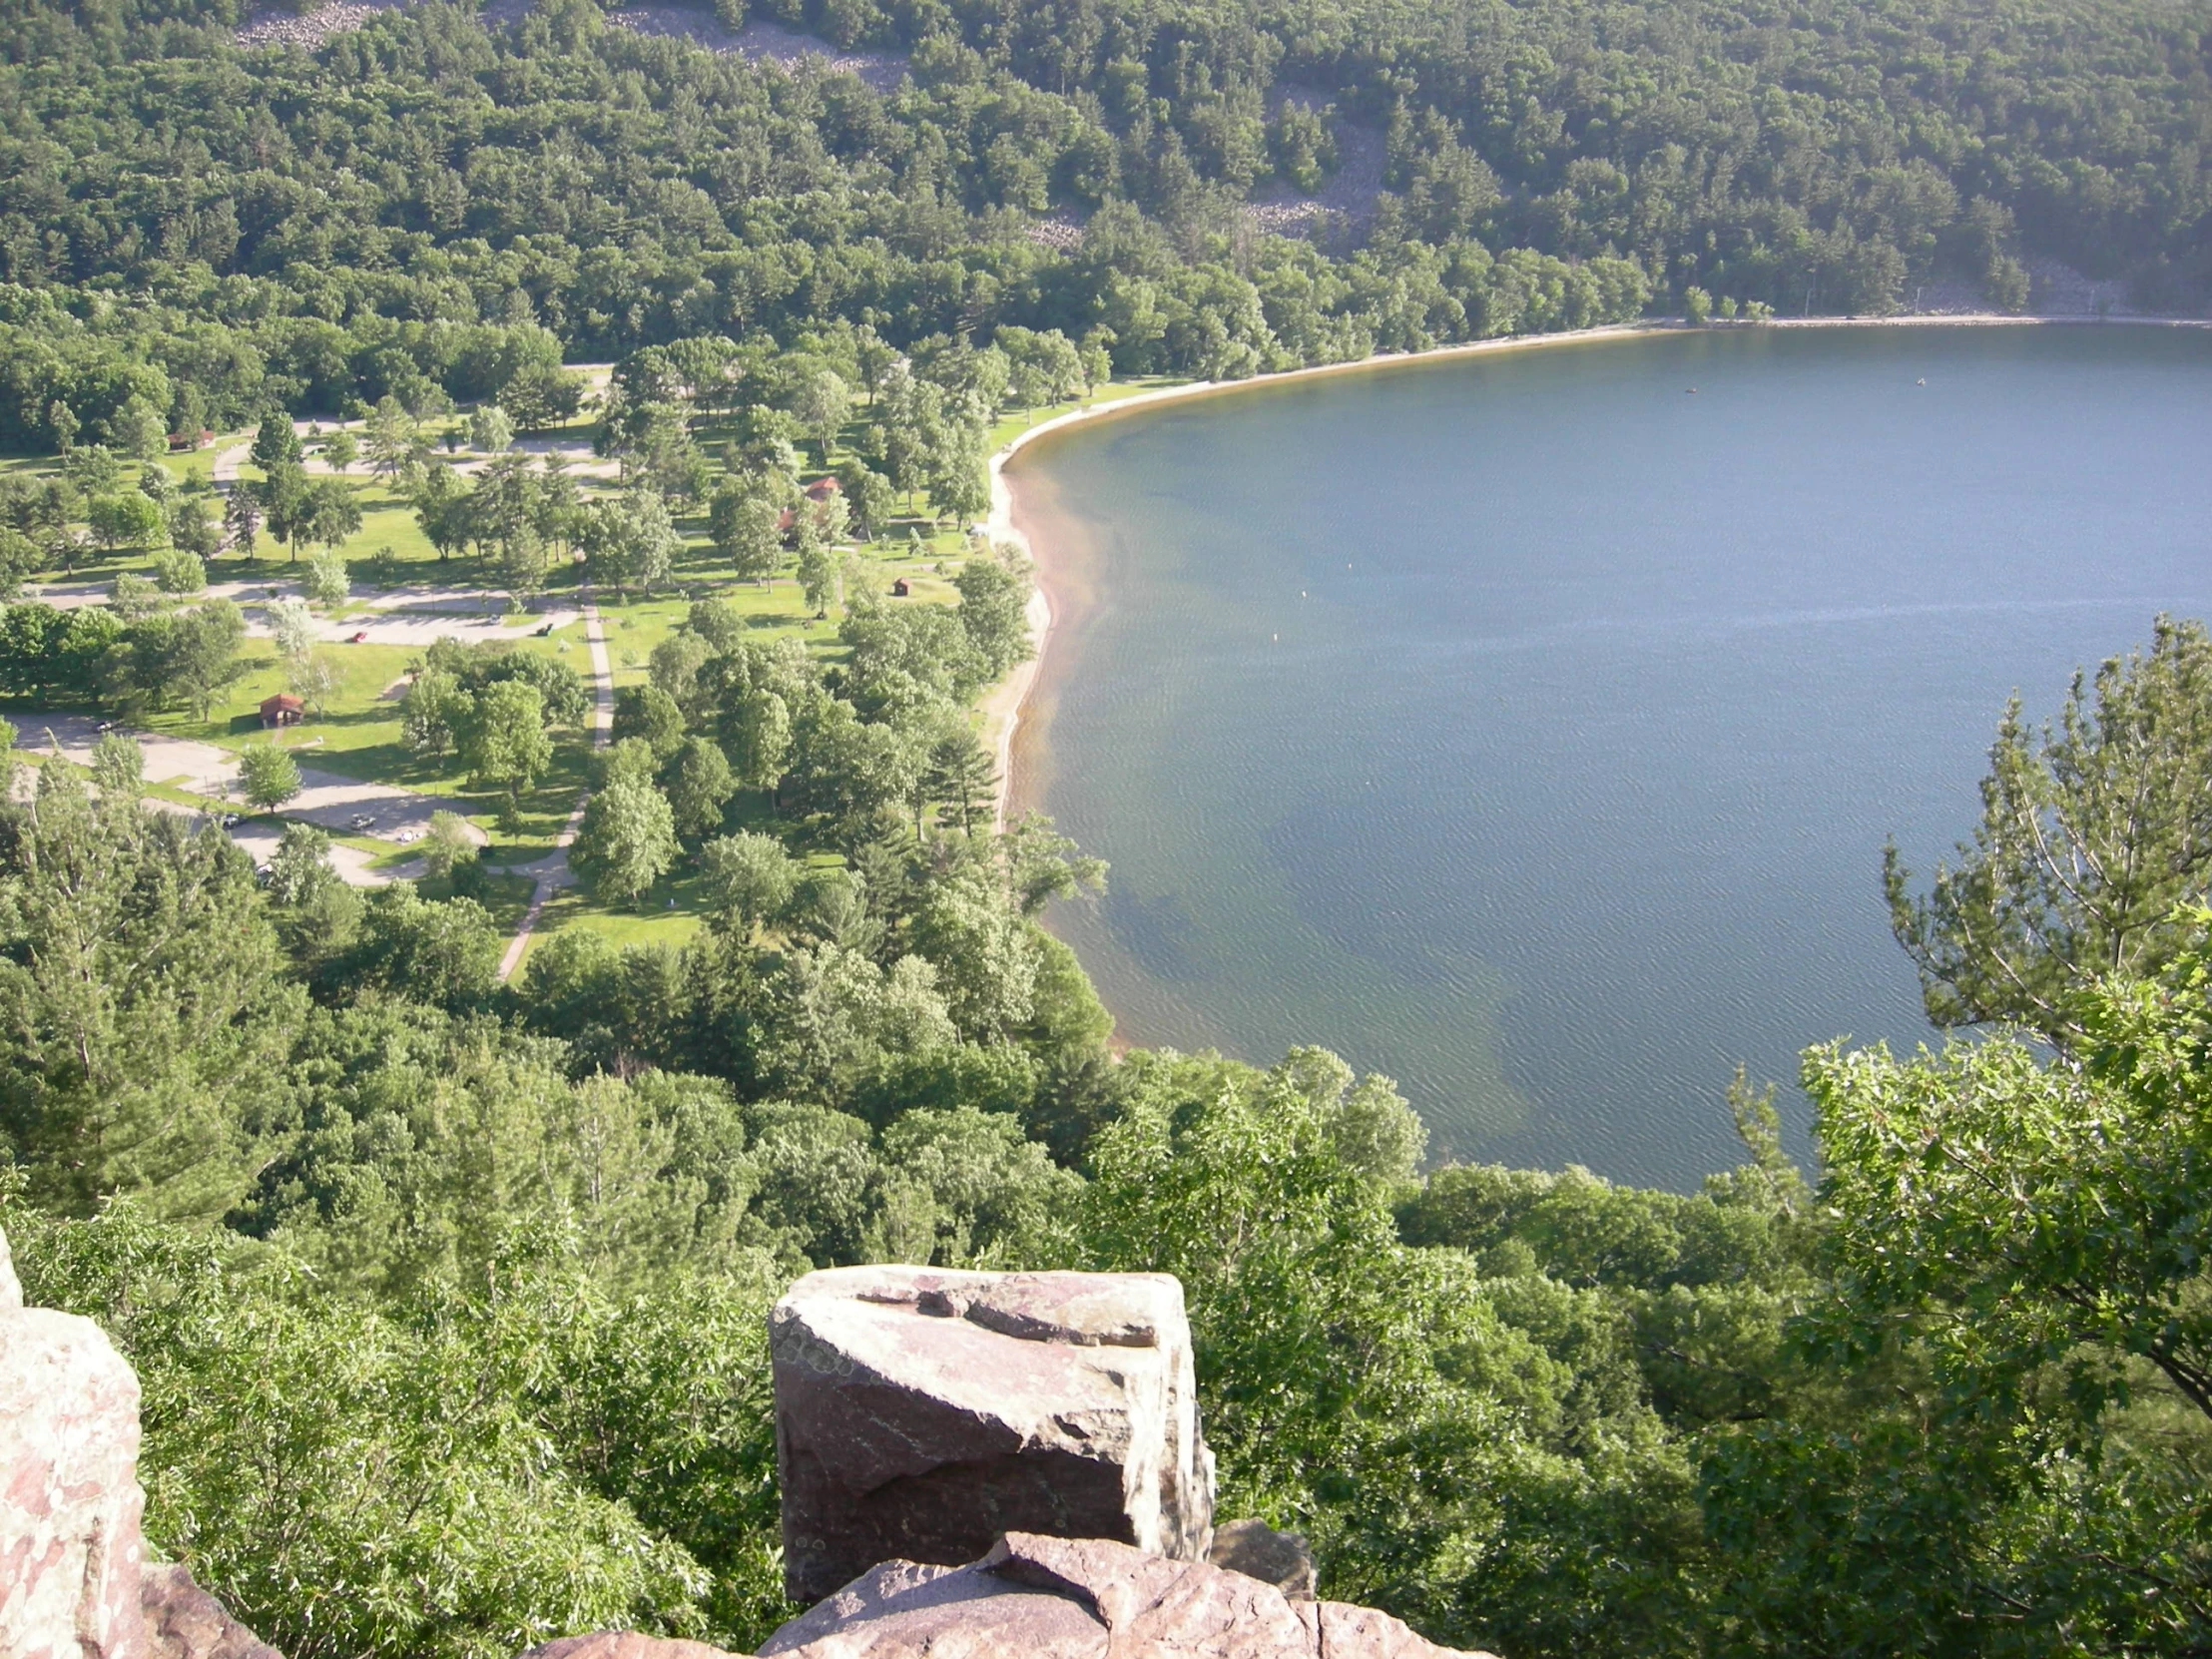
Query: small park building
point(283, 710)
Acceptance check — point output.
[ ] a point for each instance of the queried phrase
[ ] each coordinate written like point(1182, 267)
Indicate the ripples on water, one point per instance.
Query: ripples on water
point(1570, 792)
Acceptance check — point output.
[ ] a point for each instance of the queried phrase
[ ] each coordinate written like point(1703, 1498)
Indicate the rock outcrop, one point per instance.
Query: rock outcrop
point(69, 1494)
point(74, 1580)
point(1032, 1597)
point(919, 1414)
point(624, 1644)
point(924, 1419)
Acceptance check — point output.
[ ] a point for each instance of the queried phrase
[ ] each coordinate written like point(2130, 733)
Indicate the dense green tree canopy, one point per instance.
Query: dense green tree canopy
point(427, 208)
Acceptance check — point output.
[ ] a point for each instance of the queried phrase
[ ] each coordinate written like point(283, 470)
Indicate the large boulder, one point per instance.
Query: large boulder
point(921, 1413)
point(70, 1502)
point(1032, 1597)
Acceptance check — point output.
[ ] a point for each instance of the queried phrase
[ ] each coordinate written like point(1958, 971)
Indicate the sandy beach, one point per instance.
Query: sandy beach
point(1004, 706)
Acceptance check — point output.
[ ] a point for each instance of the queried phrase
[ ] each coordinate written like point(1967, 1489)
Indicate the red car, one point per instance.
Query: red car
point(357, 638)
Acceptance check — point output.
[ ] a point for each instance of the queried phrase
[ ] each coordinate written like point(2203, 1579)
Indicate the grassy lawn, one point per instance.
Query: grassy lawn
point(670, 915)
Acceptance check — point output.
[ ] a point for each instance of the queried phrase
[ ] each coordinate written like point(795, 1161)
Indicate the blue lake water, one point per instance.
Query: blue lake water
point(1529, 727)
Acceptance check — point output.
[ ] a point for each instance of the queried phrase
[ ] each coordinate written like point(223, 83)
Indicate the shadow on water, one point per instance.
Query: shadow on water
point(1158, 932)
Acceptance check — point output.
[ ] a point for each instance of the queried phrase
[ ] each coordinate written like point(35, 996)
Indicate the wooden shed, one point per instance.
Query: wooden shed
point(283, 710)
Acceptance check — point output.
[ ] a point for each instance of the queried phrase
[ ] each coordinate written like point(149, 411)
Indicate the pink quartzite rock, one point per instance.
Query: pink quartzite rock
point(922, 1414)
point(624, 1644)
point(1061, 1598)
point(74, 1580)
point(183, 1621)
point(69, 1492)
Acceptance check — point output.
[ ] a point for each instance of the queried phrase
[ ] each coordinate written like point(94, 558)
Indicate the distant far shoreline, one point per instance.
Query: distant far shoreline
point(1005, 705)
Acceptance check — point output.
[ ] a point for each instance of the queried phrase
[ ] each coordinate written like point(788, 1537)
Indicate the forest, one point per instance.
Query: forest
point(446, 1291)
point(435, 205)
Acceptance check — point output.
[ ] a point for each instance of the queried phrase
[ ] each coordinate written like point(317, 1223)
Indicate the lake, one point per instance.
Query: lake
point(1528, 726)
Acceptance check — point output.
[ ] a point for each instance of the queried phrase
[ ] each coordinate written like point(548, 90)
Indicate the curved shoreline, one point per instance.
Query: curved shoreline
point(1002, 707)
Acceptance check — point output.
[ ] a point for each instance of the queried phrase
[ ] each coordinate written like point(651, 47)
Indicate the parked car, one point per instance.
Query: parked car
point(356, 639)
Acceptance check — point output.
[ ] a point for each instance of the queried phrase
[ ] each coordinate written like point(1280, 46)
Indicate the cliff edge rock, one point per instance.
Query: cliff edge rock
point(1033, 1598)
point(70, 1502)
point(922, 1414)
point(74, 1579)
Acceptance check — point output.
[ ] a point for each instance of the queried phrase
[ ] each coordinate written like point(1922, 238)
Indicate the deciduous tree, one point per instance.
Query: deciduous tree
point(503, 740)
point(326, 581)
point(268, 775)
point(626, 843)
point(630, 542)
point(699, 786)
point(749, 876)
point(994, 608)
point(125, 518)
point(744, 525)
point(822, 405)
point(490, 432)
point(447, 844)
point(275, 442)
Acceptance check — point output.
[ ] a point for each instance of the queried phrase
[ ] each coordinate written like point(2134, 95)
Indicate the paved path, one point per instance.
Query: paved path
point(353, 807)
point(404, 616)
point(328, 799)
point(223, 471)
point(551, 872)
point(354, 866)
point(198, 768)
